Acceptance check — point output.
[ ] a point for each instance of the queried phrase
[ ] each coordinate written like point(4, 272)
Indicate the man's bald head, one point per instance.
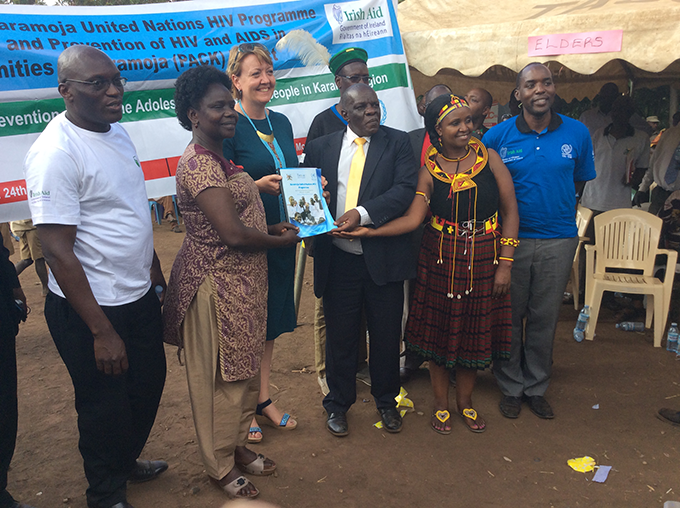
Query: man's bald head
point(74, 60)
point(91, 86)
point(360, 108)
point(431, 95)
point(351, 93)
point(485, 96)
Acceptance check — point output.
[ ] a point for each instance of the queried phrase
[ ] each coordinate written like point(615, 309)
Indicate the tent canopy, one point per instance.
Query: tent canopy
point(444, 42)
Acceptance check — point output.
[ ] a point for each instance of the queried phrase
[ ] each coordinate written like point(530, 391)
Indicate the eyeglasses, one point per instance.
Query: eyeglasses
point(102, 84)
point(249, 47)
point(357, 78)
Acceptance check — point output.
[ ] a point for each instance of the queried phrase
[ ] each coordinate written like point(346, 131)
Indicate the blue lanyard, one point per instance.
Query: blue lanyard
point(276, 153)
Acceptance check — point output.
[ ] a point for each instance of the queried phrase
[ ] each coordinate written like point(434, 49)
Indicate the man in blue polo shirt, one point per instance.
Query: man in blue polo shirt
point(550, 157)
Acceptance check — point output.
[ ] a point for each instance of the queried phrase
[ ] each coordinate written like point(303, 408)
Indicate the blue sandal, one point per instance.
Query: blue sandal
point(253, 430)
point(282, 425)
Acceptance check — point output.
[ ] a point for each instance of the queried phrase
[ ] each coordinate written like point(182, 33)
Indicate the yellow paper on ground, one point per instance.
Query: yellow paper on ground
point(402, 401)
point(582, 464)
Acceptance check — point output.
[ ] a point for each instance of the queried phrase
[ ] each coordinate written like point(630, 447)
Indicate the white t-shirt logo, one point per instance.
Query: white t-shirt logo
point(566, 151)
point(503, 152)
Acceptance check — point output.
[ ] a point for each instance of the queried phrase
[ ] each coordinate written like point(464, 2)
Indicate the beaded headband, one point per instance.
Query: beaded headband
point(455, 103)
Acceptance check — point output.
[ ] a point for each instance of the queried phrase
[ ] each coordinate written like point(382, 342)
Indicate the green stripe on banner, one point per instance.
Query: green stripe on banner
point(304, 89)
point(28, 117)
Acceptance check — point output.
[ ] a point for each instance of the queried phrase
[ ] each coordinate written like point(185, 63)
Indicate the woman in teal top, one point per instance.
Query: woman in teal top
point(262, 144)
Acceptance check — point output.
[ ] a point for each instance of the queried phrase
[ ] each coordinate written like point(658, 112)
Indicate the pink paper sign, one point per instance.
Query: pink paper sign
point(606, 41)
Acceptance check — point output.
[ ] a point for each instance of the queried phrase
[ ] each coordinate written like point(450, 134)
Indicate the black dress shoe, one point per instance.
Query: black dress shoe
point(510, 406)
point(337, 424)
point(391, 419)
point(146, 470)
point(540, 407)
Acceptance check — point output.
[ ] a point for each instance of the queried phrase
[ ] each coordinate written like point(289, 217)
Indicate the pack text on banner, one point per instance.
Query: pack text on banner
point(153, 44)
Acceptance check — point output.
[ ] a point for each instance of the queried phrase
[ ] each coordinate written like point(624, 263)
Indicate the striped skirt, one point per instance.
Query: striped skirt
point(472, 328)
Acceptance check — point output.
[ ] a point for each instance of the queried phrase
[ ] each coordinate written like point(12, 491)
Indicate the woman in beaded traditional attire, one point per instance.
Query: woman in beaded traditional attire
point(460, 312)
point(264, 143)
point(216, 303)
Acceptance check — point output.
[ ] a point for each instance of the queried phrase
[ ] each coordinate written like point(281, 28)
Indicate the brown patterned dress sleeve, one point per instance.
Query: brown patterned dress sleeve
point(201, 172)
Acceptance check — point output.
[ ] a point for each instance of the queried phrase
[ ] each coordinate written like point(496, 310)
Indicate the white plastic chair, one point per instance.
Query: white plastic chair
point(583, 216)
point(628, 239)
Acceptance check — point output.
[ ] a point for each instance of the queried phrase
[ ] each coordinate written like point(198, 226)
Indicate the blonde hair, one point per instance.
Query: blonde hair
point(236, 56)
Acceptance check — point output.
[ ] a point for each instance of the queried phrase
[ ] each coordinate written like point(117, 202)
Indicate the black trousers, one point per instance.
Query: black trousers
point(349, 291)
point(115, 413)
point(8, 411)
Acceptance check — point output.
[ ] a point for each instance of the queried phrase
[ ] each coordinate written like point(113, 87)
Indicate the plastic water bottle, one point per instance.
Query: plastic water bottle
point(631, 326)
point(672, 338)
point(581, 323)
point(158, 290)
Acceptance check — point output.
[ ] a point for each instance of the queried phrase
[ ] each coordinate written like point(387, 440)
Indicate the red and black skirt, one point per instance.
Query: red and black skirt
point(453, 320)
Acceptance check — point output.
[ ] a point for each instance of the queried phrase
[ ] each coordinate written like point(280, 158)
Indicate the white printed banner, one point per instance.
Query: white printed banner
point(153, 44)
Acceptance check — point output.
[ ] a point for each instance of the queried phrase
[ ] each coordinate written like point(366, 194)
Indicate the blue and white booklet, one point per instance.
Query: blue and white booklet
point(303, 201)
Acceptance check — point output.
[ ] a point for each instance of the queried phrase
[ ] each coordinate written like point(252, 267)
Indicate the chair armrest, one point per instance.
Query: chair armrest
point(672, 256)
point(583, 239)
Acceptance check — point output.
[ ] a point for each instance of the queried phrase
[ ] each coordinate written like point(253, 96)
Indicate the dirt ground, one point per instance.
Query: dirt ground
point(515, 463)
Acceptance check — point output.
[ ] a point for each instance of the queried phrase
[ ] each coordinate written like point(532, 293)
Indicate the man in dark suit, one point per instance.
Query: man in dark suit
point(10, 291)
point(372, 178)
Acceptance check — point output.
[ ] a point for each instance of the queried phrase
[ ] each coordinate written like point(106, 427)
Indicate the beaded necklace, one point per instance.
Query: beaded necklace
point(460, 182)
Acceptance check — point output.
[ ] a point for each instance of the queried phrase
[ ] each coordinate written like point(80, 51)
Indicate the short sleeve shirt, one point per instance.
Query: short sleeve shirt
point(544, 167)
point(615, 159)
point(94, 181)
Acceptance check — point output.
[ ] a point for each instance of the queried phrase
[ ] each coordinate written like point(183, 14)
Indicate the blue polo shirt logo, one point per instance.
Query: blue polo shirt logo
point(544, 167)
point(510, 155)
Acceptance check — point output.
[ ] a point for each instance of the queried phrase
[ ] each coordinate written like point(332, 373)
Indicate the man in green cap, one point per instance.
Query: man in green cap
point(349, 67)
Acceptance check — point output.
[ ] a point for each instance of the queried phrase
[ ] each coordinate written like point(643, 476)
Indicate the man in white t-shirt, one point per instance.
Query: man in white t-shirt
point(88, 200)
point(621, 158)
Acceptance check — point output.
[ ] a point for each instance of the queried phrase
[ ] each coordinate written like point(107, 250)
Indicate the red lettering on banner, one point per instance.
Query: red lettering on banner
point(300, 145)
point(11, 192)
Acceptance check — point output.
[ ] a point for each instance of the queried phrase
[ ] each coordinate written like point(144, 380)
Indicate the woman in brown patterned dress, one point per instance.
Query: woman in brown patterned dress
point(216, 306)
point(460, 312)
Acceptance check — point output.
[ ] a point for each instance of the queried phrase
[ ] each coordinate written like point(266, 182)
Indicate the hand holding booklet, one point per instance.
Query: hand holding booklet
point(303, 201)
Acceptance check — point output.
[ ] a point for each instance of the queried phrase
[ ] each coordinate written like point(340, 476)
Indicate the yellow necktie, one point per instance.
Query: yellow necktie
point(356, 169)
